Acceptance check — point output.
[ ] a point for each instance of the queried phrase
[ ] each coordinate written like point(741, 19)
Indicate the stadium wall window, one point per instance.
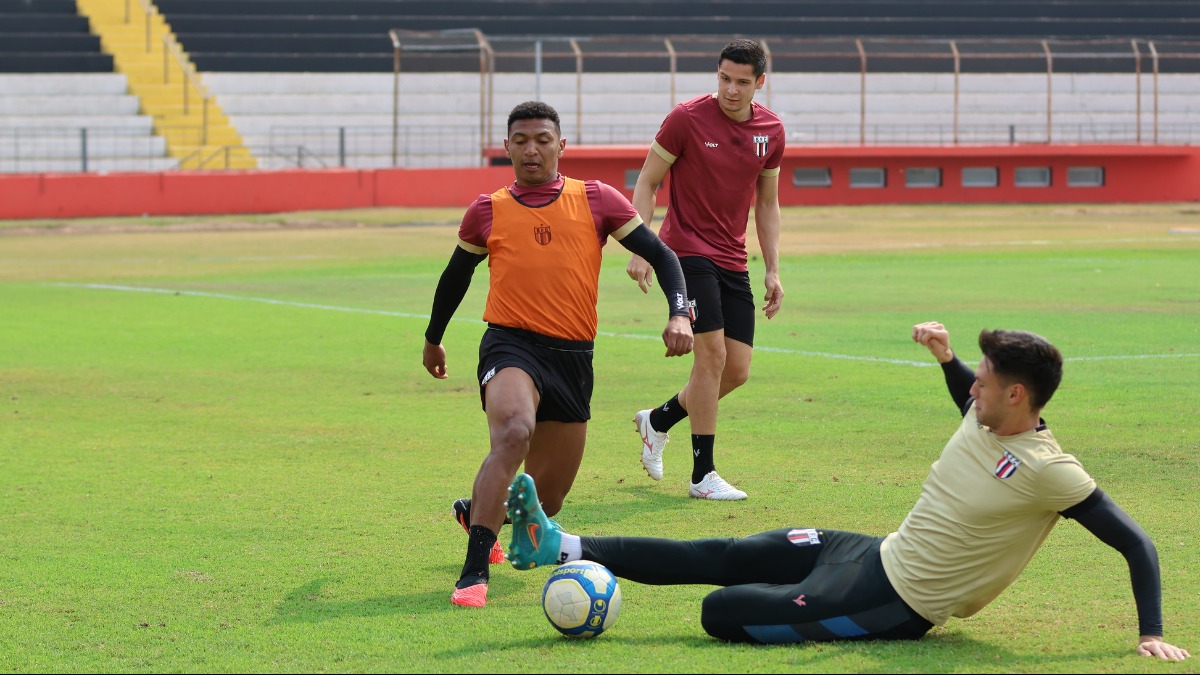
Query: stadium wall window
point(812, 178)
point(980, 176)
point(631, 178)
point(1032, 176)
point(1085, 176)
point(868, 178)
point(921, 177)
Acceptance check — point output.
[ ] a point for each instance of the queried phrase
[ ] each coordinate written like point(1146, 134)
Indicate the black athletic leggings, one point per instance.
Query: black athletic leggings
point(788, 585)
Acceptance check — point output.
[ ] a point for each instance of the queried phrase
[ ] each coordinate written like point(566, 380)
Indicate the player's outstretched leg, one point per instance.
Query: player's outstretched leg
point(461, 510)
point(653, 443)
point(535, 537)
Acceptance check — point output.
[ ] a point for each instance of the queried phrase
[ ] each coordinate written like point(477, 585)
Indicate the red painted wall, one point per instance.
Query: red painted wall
point(1132, 174)
point(183, 193)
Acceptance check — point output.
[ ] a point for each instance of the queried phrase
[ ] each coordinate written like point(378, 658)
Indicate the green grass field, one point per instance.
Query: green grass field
point(219, 451)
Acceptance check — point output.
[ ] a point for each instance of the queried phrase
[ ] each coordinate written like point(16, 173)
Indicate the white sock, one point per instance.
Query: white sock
point(569, 548)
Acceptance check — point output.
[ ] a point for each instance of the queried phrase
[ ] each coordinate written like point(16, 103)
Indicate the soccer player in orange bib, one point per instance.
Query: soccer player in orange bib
point(999, 487)
point(543, 237)
point(723, 152)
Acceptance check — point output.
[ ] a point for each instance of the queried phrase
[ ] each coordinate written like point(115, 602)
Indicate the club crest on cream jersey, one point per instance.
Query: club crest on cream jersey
point(1007, 465)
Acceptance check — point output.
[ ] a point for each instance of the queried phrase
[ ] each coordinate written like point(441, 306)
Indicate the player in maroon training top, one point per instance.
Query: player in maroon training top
point(723, 152)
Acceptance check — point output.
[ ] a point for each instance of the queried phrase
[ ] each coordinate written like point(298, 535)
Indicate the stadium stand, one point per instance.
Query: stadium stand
point(71, 122)
point(246, 46)
point(348, 35)
point(167, 84)
point(48, 36)
point(62, 108)
point(309, 82)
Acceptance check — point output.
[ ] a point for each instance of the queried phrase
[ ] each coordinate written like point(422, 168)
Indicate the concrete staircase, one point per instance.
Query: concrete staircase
point(163, 78)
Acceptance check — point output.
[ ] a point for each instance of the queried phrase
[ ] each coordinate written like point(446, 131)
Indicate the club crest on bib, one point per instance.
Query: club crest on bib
point(541, 234)
point(760, 146)
point(1007, 465)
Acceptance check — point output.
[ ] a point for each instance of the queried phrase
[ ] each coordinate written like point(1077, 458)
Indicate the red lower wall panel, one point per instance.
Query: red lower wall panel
point(195, 193)
point(1131, 174)
point(81, 195)
point(438, 187)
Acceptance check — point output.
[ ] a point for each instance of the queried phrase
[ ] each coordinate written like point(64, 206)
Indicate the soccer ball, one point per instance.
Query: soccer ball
point(581, 599)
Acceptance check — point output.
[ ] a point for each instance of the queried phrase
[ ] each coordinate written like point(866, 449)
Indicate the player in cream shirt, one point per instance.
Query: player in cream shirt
point(991, 498)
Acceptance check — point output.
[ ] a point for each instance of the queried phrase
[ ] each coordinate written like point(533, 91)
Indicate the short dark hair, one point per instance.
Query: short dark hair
point(747, 53)
point(1018, 356)
point(534, 110)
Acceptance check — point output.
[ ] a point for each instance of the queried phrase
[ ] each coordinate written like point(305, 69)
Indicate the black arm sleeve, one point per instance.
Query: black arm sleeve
point(959, 379)
point(645, 243)
point(451, 290)
point(1111, 525)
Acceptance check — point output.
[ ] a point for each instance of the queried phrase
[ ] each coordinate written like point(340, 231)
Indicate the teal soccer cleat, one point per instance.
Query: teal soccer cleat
point(535, 538)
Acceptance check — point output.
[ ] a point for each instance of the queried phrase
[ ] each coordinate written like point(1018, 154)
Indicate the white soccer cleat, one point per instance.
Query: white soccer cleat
point(653, 443)
point(714, 487)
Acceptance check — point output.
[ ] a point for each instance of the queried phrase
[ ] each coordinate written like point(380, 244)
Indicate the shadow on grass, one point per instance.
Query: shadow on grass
point(310, 603)
point(944, 650)
point(951, 651)
point(590, 516)
point(552, 640)
point(937, 653)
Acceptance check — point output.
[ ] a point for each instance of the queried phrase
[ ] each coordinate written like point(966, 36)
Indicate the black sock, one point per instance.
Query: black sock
point(466, 512)
point(702, 456)
point(479, 546)
point(667, 415)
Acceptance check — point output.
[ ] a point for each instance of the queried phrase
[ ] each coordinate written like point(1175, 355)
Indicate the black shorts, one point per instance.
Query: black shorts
point(719, 299)
point(560, 369)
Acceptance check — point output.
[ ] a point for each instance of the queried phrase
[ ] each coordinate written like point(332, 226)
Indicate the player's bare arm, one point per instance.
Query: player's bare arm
point(654, 170)
point(767, 221)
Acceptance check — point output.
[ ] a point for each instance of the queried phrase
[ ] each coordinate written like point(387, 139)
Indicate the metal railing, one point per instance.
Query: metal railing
point(445, 145)
point(148, 10)
point(221, 158)
point(1137, 65)
point(80, 149)
point(451, 145)
point(865, 57)
point(189, 80)
point(173, 54)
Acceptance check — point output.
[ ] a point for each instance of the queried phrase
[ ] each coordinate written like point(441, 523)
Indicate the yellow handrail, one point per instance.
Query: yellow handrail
point(172, 50)
point(148, 9)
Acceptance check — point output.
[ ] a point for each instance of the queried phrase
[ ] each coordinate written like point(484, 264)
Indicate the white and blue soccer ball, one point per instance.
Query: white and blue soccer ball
point(581, 599)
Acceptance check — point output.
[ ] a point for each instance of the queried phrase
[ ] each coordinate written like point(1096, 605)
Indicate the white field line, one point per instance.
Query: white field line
point(896, 246)
point(632, 336)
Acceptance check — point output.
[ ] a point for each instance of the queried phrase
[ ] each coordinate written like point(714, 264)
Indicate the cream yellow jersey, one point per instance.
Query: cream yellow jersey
point(984, 510)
